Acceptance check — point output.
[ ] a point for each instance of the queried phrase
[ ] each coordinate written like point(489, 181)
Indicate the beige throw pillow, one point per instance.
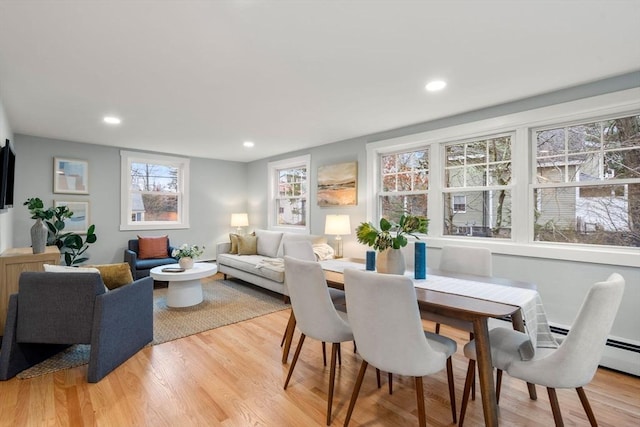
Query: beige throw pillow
point(234, 243)
point(247, 245)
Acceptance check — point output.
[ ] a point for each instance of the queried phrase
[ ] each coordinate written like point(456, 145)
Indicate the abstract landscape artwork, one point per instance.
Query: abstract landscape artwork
point(337, 184)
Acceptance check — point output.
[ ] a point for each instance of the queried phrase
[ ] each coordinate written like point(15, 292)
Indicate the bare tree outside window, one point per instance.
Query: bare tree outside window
point(154, 192)
point(404, 184)
point(291, 199)
point(587, 183)
point(478, 172)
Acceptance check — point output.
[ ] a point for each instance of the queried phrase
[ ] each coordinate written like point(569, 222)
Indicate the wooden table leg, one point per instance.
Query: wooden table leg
point(518, 325)
point(291, 326)
point(485, 372)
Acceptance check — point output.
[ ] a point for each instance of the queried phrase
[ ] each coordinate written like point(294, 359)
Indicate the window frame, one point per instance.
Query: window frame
point(181, 163)
point(272, 215)
point(625, 102)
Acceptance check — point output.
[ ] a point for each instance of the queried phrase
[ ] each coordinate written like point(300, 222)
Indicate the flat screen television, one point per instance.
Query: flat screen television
point(7, 175)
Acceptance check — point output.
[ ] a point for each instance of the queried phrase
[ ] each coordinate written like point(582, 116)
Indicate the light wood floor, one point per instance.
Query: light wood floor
point(233, 376)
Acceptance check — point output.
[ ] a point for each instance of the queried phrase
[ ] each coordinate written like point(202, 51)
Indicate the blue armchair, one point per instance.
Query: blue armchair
point(141, 267)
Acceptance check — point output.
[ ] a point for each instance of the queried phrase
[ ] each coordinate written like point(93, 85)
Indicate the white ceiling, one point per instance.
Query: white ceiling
point(198, 78)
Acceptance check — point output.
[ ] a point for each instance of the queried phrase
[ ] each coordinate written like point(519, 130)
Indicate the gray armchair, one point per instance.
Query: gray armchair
point(52, 311)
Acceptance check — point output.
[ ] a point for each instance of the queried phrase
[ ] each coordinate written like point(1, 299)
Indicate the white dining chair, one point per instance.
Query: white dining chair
point(315, 314)
point(573, 364)
point(385, 319)
point(303, 249)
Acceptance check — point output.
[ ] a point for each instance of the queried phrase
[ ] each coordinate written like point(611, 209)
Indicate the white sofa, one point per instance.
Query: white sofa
point(264, 269)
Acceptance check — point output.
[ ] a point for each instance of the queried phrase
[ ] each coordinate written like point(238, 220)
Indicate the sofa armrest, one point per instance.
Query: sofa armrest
point(122, 325)
point(222, 248)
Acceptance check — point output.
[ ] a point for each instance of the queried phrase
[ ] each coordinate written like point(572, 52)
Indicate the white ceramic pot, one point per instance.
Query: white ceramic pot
point(186, 263)
point(391, 261)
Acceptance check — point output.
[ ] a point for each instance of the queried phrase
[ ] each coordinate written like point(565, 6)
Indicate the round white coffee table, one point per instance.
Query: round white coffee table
point(185, 288)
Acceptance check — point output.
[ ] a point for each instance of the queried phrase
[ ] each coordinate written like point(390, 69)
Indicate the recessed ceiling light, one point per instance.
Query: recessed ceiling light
point(435, 85)
point(248, 144)
point(112, 120)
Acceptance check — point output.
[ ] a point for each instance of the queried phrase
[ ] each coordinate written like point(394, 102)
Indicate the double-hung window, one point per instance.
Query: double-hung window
point(154, 191)
point(289, 190)
point(477, 187)
point(404, 183)
point(586, 186)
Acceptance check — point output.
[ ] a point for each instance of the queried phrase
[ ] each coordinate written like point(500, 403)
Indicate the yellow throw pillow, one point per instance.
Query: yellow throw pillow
point(114, 275)
point(247, 245)
point(234, 243)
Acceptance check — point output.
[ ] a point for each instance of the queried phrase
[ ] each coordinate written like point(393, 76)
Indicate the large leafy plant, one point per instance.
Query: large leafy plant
point(72, 246)
point(392, 234)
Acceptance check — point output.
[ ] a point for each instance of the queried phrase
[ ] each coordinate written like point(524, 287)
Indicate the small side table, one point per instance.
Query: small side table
point(185, 288)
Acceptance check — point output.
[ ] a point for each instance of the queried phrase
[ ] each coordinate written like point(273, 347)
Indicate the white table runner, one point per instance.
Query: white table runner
point(528, 300)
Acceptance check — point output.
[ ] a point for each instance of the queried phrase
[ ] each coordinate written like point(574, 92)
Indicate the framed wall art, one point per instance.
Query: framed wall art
point(79, 222)
point(337, 184)
point(70, 176)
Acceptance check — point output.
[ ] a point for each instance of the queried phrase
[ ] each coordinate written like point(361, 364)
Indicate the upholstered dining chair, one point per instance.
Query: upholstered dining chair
point(316, 315)
point(386, 324)
point(303, 249)
point(573, 364)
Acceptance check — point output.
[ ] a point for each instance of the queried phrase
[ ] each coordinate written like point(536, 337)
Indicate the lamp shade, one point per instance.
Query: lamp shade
point(239, 220)
point(338, 225)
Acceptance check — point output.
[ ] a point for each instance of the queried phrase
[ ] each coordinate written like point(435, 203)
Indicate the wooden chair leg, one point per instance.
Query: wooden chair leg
point(498, 385)
point(291, 324)
point(356, 390)
point(378, 378)
point(324, 353)
point(586, 406)
point(332, 379)
point(452, 389)
point(555, 407)
point(339, 355)
point(390, 377)
point(422, 417)
point(467, 388)
point(437, 328)
point(295, 359)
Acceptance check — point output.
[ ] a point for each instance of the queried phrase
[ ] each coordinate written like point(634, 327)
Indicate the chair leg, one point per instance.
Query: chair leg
point(467, 388)
point(290, 324)
point(498, 385)
point(295, 359)
point(555, 407)
point(356, 390)
point(586, 406)
point(332, 379)
point(452, 389)
point(422, 417)
point(339, 355)
point(438, 328)
point(324, 353)
point(378, 377)
point(390, 377)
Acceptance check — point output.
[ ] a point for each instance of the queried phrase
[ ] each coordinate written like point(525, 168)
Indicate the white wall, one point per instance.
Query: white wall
point(218, 188)
point(6, 215)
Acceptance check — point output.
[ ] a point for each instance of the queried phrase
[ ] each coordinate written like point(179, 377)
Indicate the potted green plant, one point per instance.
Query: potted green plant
point(72, 246)
point(389, 238)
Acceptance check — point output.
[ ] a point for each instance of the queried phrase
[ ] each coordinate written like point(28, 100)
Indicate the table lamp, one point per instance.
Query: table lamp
point(340, 226)
point(239, 220)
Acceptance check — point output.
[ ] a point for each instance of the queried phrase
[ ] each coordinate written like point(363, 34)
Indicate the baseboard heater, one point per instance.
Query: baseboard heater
point(619, 355)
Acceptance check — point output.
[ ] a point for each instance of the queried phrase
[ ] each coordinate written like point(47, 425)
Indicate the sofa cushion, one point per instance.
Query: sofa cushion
point(152, 247)
point(114, 275)
point(248, 264)
point(268, 242)
point(313, 238)
point(247, 245)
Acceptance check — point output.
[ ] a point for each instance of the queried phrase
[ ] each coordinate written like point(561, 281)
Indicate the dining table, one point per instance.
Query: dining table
point(452, 305)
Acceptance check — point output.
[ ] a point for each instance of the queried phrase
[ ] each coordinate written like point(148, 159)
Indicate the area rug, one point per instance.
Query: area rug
point(225, 302)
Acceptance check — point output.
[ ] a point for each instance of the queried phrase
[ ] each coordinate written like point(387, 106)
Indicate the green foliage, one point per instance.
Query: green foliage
point(72, 246)
point(383, 238)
